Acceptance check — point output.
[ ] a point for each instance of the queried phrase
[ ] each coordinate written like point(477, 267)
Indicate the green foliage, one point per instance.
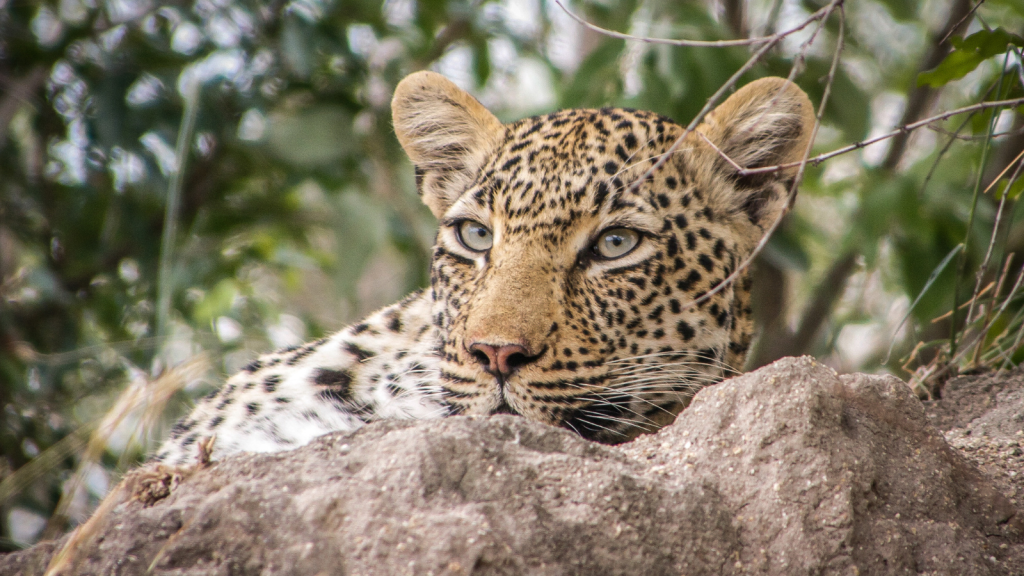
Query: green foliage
point(1011, 189)
point(968, 53)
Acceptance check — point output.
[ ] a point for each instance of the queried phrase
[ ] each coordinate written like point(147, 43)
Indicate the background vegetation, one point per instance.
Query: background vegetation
point(186, 184)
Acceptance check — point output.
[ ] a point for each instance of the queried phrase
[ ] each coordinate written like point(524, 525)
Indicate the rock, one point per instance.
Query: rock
point(982, 416)
point(787, 470)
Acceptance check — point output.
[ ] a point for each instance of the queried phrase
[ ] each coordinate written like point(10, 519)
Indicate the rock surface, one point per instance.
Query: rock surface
point(983, 417)
point(787, 470)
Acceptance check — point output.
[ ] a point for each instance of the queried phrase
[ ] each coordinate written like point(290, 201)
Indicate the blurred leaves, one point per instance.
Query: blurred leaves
point(598, 78)
point(968, 53)
point(1014, 190)
point(311, 137)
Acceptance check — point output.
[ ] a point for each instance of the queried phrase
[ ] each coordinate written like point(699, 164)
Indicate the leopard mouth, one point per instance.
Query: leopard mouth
point(504, 408)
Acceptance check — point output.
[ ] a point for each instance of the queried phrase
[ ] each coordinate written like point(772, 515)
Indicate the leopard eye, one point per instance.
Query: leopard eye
point(474, 235)
point(616, 242)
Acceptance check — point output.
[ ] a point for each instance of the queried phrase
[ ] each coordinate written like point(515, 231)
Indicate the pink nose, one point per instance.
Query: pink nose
point(501, 360)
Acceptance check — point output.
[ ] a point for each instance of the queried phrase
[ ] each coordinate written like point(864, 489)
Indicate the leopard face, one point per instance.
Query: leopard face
point(576, 250)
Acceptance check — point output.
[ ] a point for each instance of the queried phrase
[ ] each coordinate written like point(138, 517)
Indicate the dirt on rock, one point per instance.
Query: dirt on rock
point(791, 469)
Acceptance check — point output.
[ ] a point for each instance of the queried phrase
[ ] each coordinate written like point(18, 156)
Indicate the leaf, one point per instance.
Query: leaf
point(297, 47)
point(1014, 191)
point(931, 280)
point(481, 60)
point(216, 302)
point(968, 53)
point(597, 81)
point(785, 250)
point(316, 136)
point(902, 9)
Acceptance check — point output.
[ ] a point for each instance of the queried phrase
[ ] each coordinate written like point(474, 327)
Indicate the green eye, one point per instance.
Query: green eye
point(616, 242)
point(474, 235)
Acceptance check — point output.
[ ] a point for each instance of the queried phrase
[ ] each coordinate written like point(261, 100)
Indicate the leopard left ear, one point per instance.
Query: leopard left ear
point(765, 123)
point(446, 133)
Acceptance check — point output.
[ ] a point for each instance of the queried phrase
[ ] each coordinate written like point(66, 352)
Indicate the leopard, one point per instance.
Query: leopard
point(588, 273)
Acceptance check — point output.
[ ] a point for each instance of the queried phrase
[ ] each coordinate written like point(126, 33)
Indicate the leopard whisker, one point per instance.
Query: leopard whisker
point(691, 366)
point(680, 373)
point(706, 364)
point(590, 421)
point(668, 371)
point(666, 376)
point(664, 353)
point(661, 382)
point(602, 401)
point(623, 420)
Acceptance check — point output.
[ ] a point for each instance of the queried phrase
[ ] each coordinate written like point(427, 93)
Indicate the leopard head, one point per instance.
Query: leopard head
point(576, 251)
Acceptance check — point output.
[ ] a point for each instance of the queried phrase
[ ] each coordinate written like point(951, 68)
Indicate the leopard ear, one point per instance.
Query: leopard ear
point(765, 123)
point(446, 133)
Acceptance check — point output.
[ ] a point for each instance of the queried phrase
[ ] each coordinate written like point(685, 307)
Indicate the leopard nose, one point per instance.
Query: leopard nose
point(501, 360)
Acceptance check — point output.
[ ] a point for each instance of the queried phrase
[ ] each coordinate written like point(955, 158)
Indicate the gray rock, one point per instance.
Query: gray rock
point(787, 470)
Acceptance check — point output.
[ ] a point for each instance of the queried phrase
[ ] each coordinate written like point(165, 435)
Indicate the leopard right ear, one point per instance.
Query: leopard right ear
point(446, 133)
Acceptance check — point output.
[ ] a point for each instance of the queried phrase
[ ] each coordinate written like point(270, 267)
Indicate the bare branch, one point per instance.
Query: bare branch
point(1003, 173)
point(961, 21)
point(948, 145)
point(772, 40)
point(999, 285)
point(902, 129)
point(955, 136)
point(720, 152)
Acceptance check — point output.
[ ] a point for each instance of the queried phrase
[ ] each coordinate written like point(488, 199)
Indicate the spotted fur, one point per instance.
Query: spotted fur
point(541, 324)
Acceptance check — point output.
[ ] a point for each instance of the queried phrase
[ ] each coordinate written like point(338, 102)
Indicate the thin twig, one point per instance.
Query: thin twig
point(961, 21)
point(949, 144)
point(956, 136)
point(773, 39)
point(840, 43)
point(981, 333)
point(1020, 332)
point(1001, 174)
point(909, 127)
point(919, 98)
point(999, 287)
point(822, 16)
point(963, 305)
point(724, 88)
point(962, 264)
point(720, 152)
point(988, 251)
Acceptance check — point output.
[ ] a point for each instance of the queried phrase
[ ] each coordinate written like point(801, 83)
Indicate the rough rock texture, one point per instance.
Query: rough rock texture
point(787, 470)
point(983, 416)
